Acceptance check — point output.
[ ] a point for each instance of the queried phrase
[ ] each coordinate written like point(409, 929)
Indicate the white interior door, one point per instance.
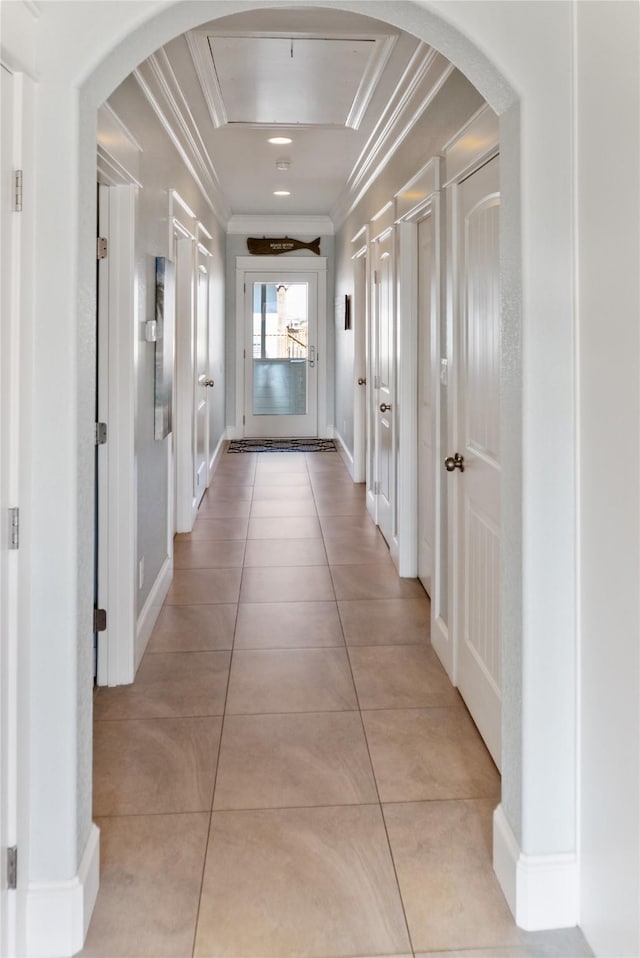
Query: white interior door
point(426, 422)
point(202, 385)
point(186, 505)
point(9, 435)
point(281, 354)
point(383, 392)
point(478, 428)
point(359, 320)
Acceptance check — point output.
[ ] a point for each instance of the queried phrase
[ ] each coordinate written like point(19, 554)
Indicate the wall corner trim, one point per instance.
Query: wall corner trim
point(151, 609)
point(344, 451)
point(58, 913)
point(541, 890)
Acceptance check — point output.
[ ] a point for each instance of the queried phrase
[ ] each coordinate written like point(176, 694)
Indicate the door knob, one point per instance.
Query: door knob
point(208, 382)
point(452, 463)
point(384, 407)
point(362, 382)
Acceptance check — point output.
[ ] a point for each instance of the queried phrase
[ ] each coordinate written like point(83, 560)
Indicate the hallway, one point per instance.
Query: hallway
point(292, 773)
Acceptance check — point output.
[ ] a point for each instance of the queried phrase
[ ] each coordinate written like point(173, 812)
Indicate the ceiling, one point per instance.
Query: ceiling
point(328, 80)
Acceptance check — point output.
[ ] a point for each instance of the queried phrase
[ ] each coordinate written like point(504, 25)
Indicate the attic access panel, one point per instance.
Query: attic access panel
point(274, 80)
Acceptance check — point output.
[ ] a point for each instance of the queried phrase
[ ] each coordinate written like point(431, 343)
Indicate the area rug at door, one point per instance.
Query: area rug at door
point(282, 445)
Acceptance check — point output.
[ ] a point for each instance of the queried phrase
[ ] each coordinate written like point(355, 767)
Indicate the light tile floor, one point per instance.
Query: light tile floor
point(292, 774)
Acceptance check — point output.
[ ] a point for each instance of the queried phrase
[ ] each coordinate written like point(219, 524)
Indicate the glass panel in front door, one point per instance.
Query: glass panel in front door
point(280, 349)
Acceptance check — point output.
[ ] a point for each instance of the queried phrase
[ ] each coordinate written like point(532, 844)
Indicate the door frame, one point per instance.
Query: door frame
point(426, 187)
point(117, 481)
point(277, 265)
point(361, 309)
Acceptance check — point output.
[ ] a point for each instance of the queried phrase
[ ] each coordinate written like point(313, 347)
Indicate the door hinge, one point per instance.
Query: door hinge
point(101, 433)
point(244, 354)
point(244, 421)
point(14, 527)
point(376, 488)
point(101, 248)
point(12, 868)
point(99, 620)
point(17, 191)
point(375, 277)
point(376, 382)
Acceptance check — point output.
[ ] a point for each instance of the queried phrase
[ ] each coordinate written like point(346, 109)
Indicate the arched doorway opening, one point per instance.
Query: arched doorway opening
point(528, 746)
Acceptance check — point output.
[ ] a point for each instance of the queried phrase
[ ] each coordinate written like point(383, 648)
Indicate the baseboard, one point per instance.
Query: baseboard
point(58, 913)
point(215, 458)
point(347, 456)
point(151, 609)
point(541, 890)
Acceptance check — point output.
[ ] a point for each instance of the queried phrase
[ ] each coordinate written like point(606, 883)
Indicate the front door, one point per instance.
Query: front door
point(478, 427)
point(281, 354)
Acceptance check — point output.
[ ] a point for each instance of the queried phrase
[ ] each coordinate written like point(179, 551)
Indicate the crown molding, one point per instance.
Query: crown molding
point(424, 76)
point(200, 50)
point(198, 44)
point(161, 88)
point(369, 80)
point(243, 224)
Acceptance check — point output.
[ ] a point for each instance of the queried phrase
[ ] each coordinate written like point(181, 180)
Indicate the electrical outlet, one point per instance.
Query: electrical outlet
point(141, 573)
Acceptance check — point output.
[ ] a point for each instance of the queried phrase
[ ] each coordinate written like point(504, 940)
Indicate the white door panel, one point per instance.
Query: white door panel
point(383, 393)
point(478, 487)
point(426, 490)
point(281, 354)
point(201, 380)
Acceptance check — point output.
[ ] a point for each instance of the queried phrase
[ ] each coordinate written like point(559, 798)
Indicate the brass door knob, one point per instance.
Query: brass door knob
point(362, 382)
point(208, 382)
point(384, 407)
point(452, 463)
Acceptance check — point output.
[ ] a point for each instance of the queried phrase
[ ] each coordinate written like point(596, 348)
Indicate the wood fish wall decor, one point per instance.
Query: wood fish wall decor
point(275, 245)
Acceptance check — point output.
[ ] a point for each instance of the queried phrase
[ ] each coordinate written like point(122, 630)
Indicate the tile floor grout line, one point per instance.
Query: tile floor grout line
point(215, 774)
point(379, 803)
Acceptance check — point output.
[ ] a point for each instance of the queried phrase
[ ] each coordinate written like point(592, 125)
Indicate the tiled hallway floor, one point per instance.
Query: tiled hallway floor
point(292, 773)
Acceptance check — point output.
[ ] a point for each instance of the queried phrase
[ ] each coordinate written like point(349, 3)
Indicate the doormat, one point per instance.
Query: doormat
point(282, 445)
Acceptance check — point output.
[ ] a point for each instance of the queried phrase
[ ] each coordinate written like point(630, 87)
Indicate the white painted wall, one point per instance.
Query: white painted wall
point(515, 53)
point(161, 169)
point(608, 193)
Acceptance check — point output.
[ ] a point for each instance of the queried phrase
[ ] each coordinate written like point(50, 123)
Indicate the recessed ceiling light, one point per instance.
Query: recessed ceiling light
point(281, 193)
point(280, 140)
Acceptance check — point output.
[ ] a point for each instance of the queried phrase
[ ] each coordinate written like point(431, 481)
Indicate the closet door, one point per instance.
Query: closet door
point(475, 474)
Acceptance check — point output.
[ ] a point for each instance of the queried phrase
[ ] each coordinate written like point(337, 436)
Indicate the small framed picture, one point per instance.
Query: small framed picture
point(347, 311)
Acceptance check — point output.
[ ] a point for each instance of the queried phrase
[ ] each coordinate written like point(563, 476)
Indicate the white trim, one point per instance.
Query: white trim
point(183, 203)
point(241, 223)
point(370, 79)
point(118, 158)
point(406, 304)
point(186, 502)
point(542, 891)
point(151, 608)
point(57, 914)
point(472, 146)
point(416, 82)
point(217, 455)
point(118, 523)
point(201, 55)
point(347, 458)
point(181, 130)
point(298, 264)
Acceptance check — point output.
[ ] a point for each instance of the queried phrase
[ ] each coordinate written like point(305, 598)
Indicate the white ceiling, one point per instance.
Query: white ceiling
point(324, 78)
